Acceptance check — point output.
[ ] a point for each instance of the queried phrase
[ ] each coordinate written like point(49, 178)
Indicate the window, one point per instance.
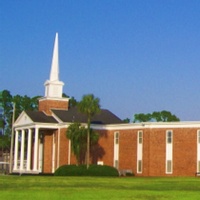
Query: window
point(139, 151)
point(116, 137)
point(169, 166)
point(116, 165)
point(198, 170)
point(140, 137)
point(139, 170)
point(116, 150)
point(169, 137)
point(198, 136)
point(169, 151)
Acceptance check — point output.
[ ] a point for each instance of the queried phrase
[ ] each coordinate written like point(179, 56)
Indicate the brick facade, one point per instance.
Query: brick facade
point(47, 104)
point(47, 149)
point(154, 151)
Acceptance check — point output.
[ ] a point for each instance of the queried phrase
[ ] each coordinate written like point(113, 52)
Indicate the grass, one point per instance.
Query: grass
point(51, 187)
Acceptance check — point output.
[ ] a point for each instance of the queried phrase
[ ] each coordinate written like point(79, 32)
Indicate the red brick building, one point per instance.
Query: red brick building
point(146, 149)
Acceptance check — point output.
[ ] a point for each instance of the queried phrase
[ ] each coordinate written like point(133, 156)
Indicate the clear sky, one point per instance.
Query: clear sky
point(137, 56)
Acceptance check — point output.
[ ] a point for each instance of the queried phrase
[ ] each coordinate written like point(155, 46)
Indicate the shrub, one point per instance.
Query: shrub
point(103, 170)
point(81, 170)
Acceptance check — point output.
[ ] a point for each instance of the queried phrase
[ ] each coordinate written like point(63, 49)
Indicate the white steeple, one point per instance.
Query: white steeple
point(54, 75)
point(54, 87)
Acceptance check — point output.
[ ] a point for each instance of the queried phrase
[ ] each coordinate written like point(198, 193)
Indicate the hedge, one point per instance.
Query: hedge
point(81, 170)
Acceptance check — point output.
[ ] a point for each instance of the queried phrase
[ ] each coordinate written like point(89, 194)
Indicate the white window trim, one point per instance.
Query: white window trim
point(169, 152)
point(198, 150)
point(139, 151)
point(116, 150)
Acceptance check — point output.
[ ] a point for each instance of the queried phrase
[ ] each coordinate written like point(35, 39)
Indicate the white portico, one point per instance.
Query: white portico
point(28, 144)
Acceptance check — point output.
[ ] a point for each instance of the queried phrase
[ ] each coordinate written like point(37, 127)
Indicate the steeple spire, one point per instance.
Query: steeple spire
point(54, 74)
point(54, 87)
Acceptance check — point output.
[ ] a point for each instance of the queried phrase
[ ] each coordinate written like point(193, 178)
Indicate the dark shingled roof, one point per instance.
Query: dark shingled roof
point(38, 116)
point(72, 115)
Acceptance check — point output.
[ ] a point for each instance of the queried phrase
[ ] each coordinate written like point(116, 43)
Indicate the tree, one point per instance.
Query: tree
point(24, 103)
point(2, 124)
point(4, 142)
point(127, 120)
point(7, 111)
point(77, 134)
point(163, 116)
point(141, 117)
point(89, 105)
point(21, 103)
point(72, 102)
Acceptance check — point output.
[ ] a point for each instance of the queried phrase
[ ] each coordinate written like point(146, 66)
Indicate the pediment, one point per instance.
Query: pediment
point(23, 119)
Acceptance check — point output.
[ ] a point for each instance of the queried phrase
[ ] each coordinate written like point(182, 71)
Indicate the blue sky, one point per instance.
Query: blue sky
point(137, 56)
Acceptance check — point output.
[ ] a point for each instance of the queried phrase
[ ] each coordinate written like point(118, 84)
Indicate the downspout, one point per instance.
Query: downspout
point(69, 153)
point(58, 151)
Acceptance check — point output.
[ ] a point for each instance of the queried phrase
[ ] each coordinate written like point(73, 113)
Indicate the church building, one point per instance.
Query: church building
point(145, 149)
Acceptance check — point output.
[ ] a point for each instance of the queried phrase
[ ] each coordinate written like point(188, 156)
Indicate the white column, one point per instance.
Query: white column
point(35, 162)
point(28, 157)
point(16, 150)
point(58, 150)
point(22, 150)
point(40, 164)
point(53, 154)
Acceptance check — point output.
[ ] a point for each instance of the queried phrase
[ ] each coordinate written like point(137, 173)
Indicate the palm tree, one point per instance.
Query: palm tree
point(77, 135)
point(89, 105)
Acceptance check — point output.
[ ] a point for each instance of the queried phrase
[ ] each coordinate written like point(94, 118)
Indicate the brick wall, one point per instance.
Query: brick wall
point(154, 151)
point(46, 105)
point(64, 147)
point(47, 160)
point(185, 152)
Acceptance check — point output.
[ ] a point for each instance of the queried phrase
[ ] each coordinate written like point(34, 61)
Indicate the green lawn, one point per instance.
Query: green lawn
point(50, 187)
